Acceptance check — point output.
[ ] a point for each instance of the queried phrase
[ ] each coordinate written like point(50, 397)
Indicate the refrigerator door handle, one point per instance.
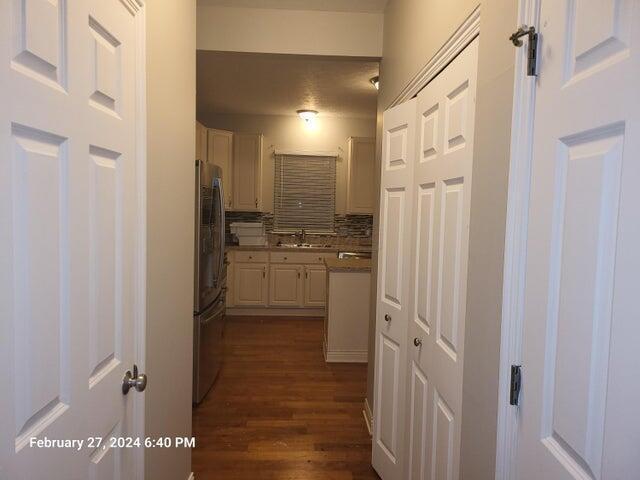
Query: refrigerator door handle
point(218, 183)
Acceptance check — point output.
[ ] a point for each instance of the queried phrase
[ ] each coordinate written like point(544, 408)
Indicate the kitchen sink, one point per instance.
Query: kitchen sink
point(303, 245)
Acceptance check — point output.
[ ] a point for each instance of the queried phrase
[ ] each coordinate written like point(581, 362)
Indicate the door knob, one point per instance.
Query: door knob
point(417, 342)
point(387, 317)
point(134, 380)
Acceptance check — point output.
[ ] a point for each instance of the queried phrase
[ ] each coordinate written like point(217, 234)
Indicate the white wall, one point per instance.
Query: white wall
point(289, 31)
point(171, 68)
point(290, 132)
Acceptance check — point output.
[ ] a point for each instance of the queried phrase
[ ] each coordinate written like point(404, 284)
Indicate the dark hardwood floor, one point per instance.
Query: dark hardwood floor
point(278, 411)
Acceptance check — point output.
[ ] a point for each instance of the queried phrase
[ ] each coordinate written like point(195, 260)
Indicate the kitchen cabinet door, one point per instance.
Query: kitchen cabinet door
point(201, 142)
point(315, 285)
point(247, 172)
point(361, 178)
point(285, 285)
point(250, 284)
point(220, 153)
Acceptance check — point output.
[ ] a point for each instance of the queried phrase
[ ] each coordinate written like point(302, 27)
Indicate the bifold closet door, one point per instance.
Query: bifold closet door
point(393, 289)
point(441, 188)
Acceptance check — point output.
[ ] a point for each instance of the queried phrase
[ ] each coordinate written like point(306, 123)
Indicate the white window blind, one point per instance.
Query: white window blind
point(304, 193)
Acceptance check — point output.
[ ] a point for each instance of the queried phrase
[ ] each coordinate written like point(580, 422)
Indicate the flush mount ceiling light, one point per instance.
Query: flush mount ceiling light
point(307, 115)
point(375, 81)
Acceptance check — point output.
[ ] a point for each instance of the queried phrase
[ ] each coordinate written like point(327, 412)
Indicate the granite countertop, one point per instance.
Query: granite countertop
point(348, 264)
point(315, 249)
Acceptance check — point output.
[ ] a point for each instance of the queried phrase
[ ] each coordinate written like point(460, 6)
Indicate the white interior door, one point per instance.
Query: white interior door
point(68, 204)
point(442, 194)
point(579, 405)
point(398, 155)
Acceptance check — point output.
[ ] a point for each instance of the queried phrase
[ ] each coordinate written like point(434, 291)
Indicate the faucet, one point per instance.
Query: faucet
point(302, 235)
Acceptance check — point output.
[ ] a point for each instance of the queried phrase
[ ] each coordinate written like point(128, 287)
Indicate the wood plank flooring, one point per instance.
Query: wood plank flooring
point(278, 411)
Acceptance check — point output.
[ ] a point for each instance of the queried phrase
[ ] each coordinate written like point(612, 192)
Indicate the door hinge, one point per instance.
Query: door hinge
point(532, 55)
point(515, 384)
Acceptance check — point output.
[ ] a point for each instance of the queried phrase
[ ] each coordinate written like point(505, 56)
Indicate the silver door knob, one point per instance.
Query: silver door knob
point(417, 342)
point(134, 380)
point(387, 317)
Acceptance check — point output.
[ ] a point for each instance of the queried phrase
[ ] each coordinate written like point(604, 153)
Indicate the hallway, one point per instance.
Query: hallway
point(278, 411)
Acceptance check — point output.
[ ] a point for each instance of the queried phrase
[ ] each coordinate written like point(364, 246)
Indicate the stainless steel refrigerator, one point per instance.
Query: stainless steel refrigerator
point(210, 279)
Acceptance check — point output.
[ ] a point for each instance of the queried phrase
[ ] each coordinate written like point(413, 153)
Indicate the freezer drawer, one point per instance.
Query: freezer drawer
point(207, 348)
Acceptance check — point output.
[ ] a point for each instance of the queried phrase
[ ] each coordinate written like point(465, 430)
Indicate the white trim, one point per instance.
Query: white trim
point(368, 416)
point(306, 153)
point(515, 250)
point(346, 356)
point(271, 312)
point(140, 284)
point(463, 36)
point(191, 476)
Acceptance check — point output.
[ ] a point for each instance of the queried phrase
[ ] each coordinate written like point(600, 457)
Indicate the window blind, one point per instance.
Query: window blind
point(304, 193)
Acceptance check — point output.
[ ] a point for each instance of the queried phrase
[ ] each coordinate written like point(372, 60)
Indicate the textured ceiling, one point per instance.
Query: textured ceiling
point(266, 84)
point(372, 6)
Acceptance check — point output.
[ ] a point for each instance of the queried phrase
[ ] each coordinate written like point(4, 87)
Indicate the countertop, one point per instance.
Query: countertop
point(348, 264)
point(275, 248)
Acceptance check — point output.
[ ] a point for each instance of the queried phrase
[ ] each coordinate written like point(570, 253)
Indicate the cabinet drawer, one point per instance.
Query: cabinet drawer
point(299, 257)
point(250, 257)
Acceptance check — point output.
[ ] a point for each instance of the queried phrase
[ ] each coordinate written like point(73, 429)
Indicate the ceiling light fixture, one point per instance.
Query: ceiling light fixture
point(307, 115)
point(375, 81)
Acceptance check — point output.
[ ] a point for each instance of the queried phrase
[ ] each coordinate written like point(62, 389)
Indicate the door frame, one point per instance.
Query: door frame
point(137, 8)
point(515, 246)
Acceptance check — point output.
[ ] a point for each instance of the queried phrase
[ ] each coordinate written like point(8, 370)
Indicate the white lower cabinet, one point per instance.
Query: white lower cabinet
point(285, 285)
point(315, 285)
point(250, 284)
point(277, 280)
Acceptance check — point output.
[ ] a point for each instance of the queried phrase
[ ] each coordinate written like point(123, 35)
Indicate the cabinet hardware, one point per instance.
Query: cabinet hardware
point(417, 342)
point(387, 317)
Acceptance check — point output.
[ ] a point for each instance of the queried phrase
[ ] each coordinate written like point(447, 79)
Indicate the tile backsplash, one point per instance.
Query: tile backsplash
point(349, 228)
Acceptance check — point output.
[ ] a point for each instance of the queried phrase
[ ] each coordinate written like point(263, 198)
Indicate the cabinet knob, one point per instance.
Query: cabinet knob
point(417, 342)
point(387, 317)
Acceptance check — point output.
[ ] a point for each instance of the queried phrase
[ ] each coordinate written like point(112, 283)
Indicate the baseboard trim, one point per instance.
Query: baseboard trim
point(346, 357)
point(368, 416)
point(275, 312)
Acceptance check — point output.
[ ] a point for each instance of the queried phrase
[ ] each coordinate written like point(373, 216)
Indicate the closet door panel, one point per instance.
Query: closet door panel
point(392, 299)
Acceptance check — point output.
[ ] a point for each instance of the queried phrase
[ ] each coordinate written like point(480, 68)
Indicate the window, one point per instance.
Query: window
point(305, 193)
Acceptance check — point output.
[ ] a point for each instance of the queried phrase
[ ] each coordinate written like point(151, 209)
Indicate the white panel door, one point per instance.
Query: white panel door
point(392, 312)
point(442, 194)
point(579, 405)
point(68, 201)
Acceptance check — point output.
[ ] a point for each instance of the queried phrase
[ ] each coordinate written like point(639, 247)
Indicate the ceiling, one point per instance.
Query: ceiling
point(269, 84)
point(370, 6)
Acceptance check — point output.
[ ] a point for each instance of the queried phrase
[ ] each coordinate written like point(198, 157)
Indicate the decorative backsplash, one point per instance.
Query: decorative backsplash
point(347, 226)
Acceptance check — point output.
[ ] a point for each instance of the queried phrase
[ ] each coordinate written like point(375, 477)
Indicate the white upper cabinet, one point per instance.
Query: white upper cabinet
point(201, 142)
point(220, 153)
point(361, 178)
point(247, 172)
